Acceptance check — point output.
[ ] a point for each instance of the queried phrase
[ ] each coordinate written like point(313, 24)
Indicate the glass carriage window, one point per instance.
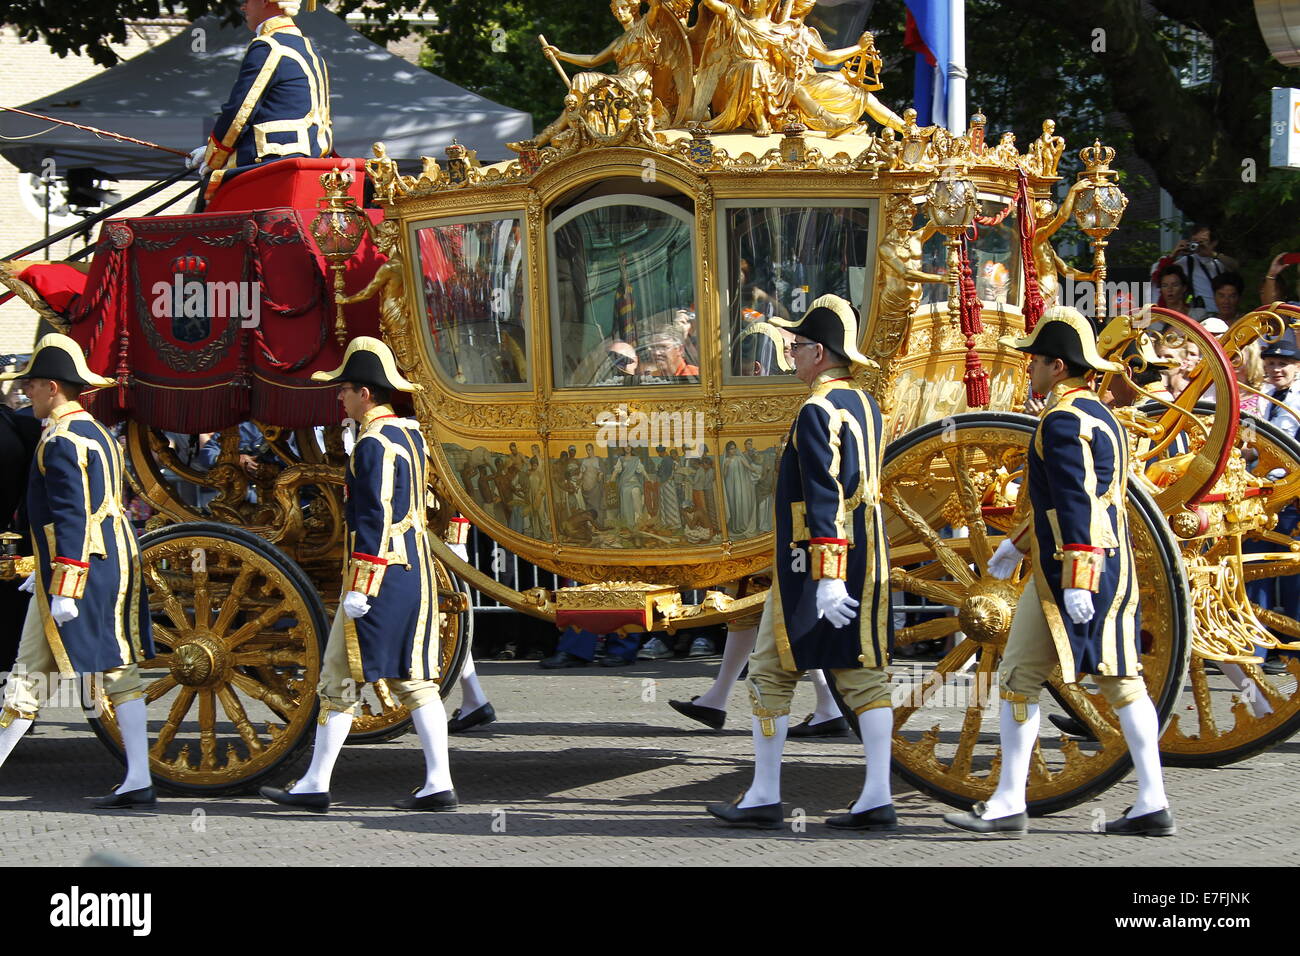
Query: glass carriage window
point(778, 260)
point(623, 294)
point(472, 278)
point(994, 256)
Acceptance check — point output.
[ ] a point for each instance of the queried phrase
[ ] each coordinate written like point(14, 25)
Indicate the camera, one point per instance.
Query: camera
point(1193, 246)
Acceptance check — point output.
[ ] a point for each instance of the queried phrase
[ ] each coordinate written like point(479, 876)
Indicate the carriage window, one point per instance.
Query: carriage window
point(994, 256)
point(779, 259)
point(623, 294)
point(472, 278)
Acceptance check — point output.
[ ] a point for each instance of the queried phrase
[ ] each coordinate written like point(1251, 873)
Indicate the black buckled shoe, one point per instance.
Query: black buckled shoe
point(562, 659)
point(142, 799)
point(1016, 825)
point(475, 718)
point(835, 727)
point(611, 661)
point(315, 802)
point(444, 801)
point(770, 816)
point(1068, 725)
point(877, 818)
point(1159, 823)
point(710, 717)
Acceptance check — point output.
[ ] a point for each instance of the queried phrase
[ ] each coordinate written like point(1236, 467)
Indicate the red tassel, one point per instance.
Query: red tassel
point(976, 380)
point(1034, 305)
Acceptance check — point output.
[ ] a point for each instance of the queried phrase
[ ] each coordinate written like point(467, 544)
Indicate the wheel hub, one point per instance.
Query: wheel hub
point(198, 662)
point(986, 614)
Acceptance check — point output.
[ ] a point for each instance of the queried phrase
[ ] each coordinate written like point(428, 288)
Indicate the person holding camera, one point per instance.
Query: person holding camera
point(1199, 257)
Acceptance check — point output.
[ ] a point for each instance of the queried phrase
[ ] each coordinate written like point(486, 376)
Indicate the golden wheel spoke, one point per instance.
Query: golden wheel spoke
point(931, 630)
point(159, 687)
point(955, 658)
point(278, 657)
point(207, 730)
point(941, 592)
point(171, 604)
point(159, 662)
point(953, 563)
point(970, 735)
point(1088, 707)
point(970, 506)
point(239, 717)
point(165, 635)
point(233, 600)
point(271, 697)
point(180, 707)
point(202, 601)
point(255, 626)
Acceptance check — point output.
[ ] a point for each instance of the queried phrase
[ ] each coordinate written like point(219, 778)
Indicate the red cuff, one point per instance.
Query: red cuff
point(1083, 547)
point(75, 564)
point(359, 556)
point(828, 541)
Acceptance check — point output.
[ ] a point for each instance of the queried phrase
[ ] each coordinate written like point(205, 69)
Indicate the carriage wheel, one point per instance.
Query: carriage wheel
point(380, 717)
point(959, 473)
point(240, 632)
point(1217, 725)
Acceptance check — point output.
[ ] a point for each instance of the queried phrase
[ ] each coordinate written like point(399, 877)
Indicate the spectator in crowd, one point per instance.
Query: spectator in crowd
point(1198, 256)
point(577, 648)
point(1172, 283)
point(1249, 369)
point(1184, 359)
point(1274, 288)
point(1228, 287)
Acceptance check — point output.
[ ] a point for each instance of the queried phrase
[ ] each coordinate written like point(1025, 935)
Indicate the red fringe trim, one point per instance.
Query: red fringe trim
point(976, 378)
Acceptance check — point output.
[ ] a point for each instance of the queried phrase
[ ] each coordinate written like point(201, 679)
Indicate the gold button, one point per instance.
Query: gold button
point(862, 658)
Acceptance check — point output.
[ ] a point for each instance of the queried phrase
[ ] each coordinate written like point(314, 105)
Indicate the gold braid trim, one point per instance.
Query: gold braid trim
point(828, 560)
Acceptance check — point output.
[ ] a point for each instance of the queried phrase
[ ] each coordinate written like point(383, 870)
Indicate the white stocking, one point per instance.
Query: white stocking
point(740, 644)
point(133, 722)
point(471, 693)
point(1142, 734)
point(877, 726)
point(10, 736)
point(766, 787)
point(330, 737)
point(827, 709)
point(431, 724)
point(1018, 741)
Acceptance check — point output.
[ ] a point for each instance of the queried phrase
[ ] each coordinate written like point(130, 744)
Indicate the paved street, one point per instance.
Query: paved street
point(581, 769)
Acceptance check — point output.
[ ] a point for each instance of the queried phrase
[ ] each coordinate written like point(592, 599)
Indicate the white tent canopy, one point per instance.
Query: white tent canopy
point(171, 94)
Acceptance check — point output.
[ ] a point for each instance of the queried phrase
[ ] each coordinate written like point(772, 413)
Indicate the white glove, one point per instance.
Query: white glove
point(1078, 604)
point(195, 159)
point(1005, 560)
point(834, 603)
point(29, 586)
point(356, 604)
point(63, 609)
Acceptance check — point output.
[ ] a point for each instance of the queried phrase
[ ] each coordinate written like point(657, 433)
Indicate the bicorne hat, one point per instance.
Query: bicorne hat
point(60, 358)
point(830, 321)
point(368, 361)
point(1063, 333)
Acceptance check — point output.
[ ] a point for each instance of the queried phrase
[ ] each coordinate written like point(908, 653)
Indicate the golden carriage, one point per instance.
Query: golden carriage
point(605, 398)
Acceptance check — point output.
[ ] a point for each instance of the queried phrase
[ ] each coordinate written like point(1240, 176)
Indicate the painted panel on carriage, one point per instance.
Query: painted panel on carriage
point(509, 485)
point(779, 258)
point(636, 497)
point(474, 300)
point(623, 294)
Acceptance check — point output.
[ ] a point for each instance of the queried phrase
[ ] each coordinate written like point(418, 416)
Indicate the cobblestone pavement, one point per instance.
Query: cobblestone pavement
point(581, 768)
